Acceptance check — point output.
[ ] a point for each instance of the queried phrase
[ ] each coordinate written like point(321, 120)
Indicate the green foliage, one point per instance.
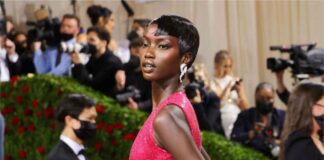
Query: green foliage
point(28, 105)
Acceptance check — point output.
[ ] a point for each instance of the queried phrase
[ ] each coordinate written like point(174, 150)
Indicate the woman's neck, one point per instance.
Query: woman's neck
point(163, 89)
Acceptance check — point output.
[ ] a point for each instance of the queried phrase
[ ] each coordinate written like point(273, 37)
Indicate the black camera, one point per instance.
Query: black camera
point(131, 92)
point(45, 30)
point(3, 28)
point(77, 48)
point(300, 60)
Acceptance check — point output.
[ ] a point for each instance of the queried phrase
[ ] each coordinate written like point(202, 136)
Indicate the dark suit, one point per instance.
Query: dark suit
point(62, 152)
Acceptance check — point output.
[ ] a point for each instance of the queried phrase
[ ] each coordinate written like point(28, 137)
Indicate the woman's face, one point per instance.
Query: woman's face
point(318, 107)
point(161, 59)
point(109, 24)
point(223, 69)
point(95, 40)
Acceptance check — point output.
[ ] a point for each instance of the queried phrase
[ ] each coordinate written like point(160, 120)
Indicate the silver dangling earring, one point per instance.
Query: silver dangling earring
point(183, 70)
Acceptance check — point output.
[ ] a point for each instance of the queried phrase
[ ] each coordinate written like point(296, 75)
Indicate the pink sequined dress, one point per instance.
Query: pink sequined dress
point(145, 147)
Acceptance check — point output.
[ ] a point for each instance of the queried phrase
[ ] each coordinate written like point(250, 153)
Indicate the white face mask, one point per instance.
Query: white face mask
point(3, 53)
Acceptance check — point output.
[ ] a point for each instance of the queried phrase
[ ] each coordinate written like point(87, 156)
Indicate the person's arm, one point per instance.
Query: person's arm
point(239, 133)
point(243, 102)
point(172, 132)
point(63, 67)
point(41, 60)
point(282, 91)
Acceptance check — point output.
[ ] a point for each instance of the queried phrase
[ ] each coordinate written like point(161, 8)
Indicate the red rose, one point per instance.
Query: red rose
point(119, 126)
point(28, 112)
point(41, 149)
point(100, 125)
point(21, 130)
point(25, 88)
point(22, 154)
point(7, 110)
point(130, 136)
point(14, 79)
point(113, 142)
point(15, 120)
point(31, 128)
point(49, 112)
point(3, 95)
point(39, 113)
point(100, 108)
point(19, 99)
point(109, 129)
point(53, 125)
point(35, 103)
point(6, 129)
point(98, 146)
point(7, 157)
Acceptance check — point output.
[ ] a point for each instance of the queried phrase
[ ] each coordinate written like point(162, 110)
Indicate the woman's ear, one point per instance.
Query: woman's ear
point(101, 20)
point(186, 58)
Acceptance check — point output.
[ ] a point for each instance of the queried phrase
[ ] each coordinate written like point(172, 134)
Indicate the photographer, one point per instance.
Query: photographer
point(302, 137)
point(205, 102)
point(52, 61)
point(260, 127)
point(9, 59)
point(134, 78)
point(101, 70)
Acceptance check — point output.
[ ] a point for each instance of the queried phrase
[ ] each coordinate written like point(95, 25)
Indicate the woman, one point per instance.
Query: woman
point(303, 129)
point(229, 89)
point(171, 131)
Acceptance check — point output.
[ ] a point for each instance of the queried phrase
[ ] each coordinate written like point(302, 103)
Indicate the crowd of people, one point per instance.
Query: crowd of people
point(219, 102)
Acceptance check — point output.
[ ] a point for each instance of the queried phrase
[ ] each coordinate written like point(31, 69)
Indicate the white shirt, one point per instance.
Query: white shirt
point(4, 71)
point(76, 147)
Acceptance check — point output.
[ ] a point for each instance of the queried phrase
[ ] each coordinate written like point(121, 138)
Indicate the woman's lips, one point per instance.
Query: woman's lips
point(148, 67)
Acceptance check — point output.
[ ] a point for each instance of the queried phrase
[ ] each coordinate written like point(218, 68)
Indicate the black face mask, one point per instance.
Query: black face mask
point(320, 122)
point(87, 131)
point(89, 49)
point(264, 106)
point(66, 36)
point(20, 49)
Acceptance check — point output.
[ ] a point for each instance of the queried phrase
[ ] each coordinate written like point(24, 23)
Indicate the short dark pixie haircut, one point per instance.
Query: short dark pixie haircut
point(72, 105)
point(181, 28)
point(101, 33)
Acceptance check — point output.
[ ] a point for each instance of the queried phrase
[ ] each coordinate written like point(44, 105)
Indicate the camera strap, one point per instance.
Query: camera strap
point(58, 58)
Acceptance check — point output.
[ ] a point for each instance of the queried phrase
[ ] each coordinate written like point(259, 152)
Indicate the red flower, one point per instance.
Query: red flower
point(19, 99)
point(35, 103)
point(3, 95)
point(98, 146)
point(119, 126)
point(14, 79)
point(8, 157)
point(100, 125)
point(25, 88)
point(21, 130)
point(7, 110)
point(15, 120)
point(109, 129)
point(6, 129)
point(130, 136)
point(28, 112)
point(53, 125)
point(49, 112)
point(39, 113)
point(100, 108)
point(41, 149)
point(113, 142)
point(31, 128)
point(22, 154)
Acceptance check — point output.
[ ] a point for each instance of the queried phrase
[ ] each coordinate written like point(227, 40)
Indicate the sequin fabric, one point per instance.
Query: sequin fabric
point(145, 147)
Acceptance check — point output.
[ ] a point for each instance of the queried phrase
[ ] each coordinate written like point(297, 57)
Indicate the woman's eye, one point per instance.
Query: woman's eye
point(164, 46)
point(145, 45)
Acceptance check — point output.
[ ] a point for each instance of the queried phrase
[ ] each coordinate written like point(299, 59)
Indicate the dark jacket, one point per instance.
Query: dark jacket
point(99, 73)
point(246, 121)
point(300, 145)
point(62, 152)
